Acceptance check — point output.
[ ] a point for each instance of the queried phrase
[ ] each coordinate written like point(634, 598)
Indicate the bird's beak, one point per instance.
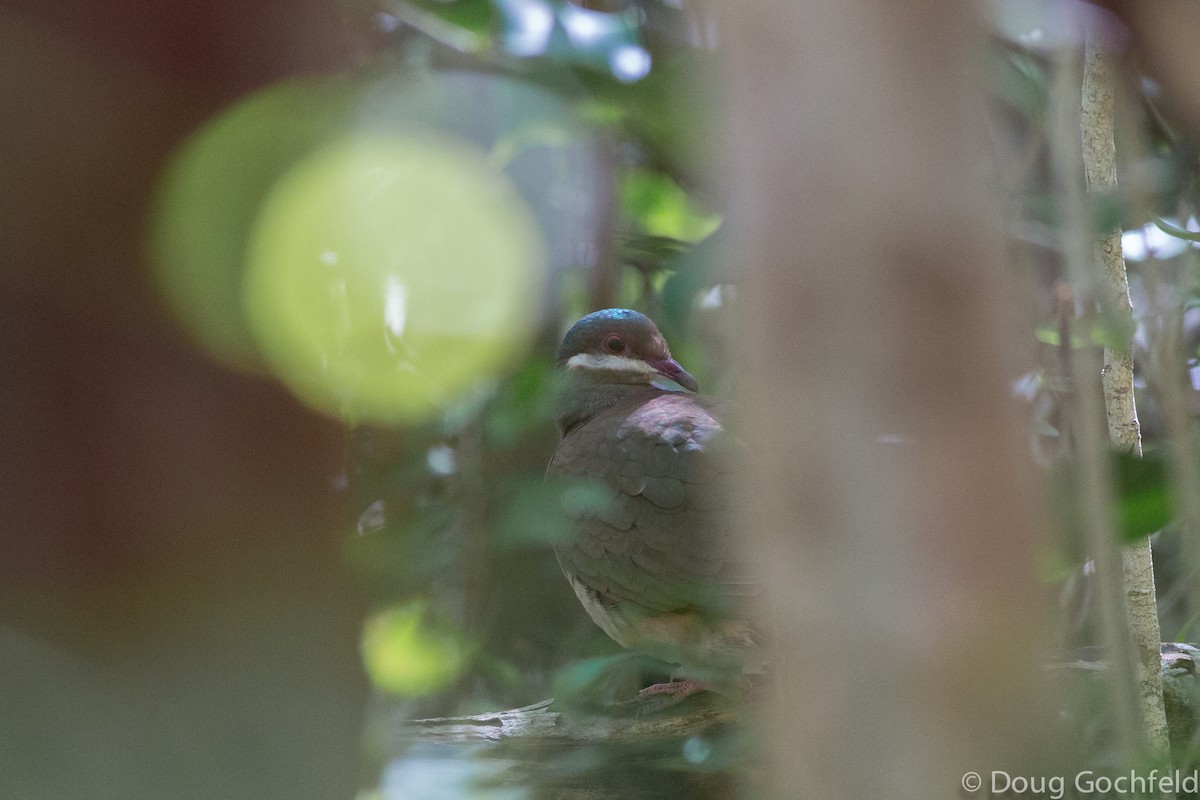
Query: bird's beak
point(674, 377)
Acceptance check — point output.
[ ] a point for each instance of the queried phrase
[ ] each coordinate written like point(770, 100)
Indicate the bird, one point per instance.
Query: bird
point(655, 564)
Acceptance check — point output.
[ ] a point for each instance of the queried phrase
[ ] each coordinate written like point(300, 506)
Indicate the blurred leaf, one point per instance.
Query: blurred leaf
point(1019, 80)
point(464, 25)
point(1114, 331)
point(651, 250)
point(673, 114)
point(1185, 630)
point(535, 133)
point(477, 16)
point(409, 650)
point(1142, 506)
point(660, 208)
point(1109, 209)
point(525, 403)
point(695, 269)
point(1053, 566)
point(1048, 334)
point(410, 549)
point(1144, 503)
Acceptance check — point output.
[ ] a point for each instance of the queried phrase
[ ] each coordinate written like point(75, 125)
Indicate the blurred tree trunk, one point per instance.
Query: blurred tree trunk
point(888, 488)
point(176, 619)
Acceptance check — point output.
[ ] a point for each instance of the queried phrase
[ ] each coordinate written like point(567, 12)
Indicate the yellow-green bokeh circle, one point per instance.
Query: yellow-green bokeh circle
point(390, 272)
point(209, 196)
point(407, 653)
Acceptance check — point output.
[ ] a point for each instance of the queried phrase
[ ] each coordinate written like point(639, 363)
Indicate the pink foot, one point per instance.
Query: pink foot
point(677, 690)
point(660, 696)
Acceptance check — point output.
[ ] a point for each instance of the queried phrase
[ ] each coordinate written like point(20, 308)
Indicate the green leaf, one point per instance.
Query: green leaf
point(1144, 503)
point(661, 208)
point(466, 25)
point(1018, 80)
point(525, 404)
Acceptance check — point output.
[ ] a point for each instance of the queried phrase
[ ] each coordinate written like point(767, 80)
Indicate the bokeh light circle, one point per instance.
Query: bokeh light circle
point(209, 196)
point(407, 652)
point(388, 272)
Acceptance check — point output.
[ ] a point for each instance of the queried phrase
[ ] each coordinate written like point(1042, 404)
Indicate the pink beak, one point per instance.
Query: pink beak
point(671, 370)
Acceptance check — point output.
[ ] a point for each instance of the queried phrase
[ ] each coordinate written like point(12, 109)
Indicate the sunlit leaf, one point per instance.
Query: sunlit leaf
point(408, 651)
point(661, 208)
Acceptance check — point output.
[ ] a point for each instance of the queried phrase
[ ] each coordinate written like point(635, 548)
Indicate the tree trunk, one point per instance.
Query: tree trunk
point(888, 488)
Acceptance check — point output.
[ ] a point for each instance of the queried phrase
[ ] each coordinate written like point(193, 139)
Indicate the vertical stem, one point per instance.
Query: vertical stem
point(1100, 167)
point(1095, 480)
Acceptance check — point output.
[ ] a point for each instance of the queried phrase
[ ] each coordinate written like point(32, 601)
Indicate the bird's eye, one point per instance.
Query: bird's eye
point(614, 344)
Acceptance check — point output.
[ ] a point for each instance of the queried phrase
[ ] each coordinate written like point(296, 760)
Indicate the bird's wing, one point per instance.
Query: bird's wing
point(663, 540)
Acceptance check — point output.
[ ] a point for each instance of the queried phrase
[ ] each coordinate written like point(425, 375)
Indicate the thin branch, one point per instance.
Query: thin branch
point(1175, 230)
point(1100, 167)
point(1095, 479)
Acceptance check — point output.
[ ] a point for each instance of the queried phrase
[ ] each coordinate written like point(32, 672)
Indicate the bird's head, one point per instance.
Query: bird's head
point(617, 346)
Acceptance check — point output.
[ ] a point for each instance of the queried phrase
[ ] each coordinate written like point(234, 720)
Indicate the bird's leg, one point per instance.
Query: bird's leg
point(659, 697)
point(668, 694)
point(678, 687)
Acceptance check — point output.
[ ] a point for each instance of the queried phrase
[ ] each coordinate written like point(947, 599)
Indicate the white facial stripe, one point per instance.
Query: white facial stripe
point(622, 369)
point(621, 365)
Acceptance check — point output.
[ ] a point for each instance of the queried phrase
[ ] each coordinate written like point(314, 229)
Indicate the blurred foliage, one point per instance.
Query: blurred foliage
point(403, 246)
point(1155, 208)
point(391, 243)
point(1143, 497)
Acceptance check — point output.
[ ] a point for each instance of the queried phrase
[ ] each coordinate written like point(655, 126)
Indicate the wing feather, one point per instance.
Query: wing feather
point(663, 542)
